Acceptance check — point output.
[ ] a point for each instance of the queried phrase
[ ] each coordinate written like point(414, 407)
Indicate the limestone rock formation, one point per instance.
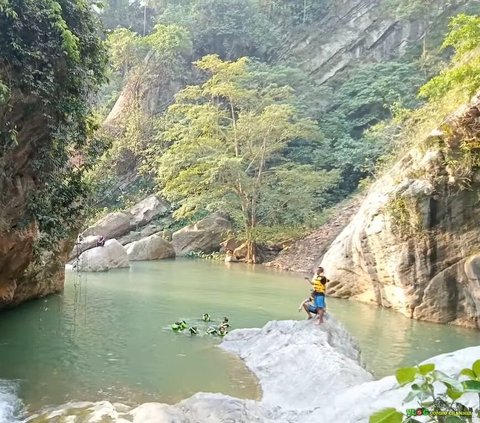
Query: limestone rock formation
point(133, 236)
point(113, 225)
point(153, 247)
point(359, 30)
point(148, 209)
point(415, 242)
point(277, 346)
point(204, 236)
point(99, 259)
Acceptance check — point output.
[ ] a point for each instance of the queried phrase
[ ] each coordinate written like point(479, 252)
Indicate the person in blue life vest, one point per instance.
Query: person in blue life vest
point(319, 284)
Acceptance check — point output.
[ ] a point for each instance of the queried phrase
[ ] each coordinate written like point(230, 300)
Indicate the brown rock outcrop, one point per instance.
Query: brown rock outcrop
point(306, 253)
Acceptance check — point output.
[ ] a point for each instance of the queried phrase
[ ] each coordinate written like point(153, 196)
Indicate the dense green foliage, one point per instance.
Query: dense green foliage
point(46, 82)
point(361, 98)
point(221, 148)
point(424, 381)
point(464, 37)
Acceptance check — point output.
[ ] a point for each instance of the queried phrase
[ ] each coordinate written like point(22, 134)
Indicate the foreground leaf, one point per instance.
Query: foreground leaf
point(406, 375)
point(468, 372)
point(454, 394)
point(471, 386)
point(411, 396)
point(387, 415)
point(447, 380)
point(476, 369)
point(426, 368)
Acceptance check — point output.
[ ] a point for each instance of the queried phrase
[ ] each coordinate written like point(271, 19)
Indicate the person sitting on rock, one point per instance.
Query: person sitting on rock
point(319, 282)
point(101, 241)
point(309, 307)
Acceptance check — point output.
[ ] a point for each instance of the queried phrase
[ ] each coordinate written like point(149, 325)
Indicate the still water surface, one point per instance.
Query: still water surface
point(108, 336)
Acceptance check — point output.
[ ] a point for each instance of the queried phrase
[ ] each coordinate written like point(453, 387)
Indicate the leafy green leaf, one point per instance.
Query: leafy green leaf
point(468, 372)
point(471, 386)
point(476, 368)
point(387, 415)
point(447, 380)
point(454, 419)
point(406, 375)
point(454, 394)
point(426, 368)
point(411, 396)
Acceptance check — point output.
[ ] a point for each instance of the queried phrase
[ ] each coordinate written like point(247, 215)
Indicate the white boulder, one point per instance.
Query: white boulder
point(147, 210)
point(204, 236)
point(153, 247)
point(99, 259)
point(113, 225)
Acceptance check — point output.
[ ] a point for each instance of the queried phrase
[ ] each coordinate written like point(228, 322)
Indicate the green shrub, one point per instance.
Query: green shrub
point(442, 407)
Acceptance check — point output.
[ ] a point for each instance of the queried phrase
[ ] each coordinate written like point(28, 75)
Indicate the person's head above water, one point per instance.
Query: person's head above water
point(319, 270)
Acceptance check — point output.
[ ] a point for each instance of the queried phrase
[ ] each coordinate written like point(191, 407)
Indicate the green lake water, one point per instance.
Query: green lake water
point(108, 337)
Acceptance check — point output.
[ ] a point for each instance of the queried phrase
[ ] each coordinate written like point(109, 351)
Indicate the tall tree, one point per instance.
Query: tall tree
point(225, 141)
point(124, 48)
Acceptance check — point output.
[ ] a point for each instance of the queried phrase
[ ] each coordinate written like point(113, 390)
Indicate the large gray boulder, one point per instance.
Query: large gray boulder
point(153, 247)
point(113, 225)
point(274, 353)
point(146, 210)
point(204, 236)
point(133, 236)
point(99, 259)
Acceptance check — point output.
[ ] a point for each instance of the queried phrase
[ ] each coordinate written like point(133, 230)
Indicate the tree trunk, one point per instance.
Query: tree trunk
point(251, 251)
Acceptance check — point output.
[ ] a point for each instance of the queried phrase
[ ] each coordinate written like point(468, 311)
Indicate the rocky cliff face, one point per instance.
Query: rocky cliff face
point(22, 276)
point(357, 31)
point(350, 33)
point(414, 245)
